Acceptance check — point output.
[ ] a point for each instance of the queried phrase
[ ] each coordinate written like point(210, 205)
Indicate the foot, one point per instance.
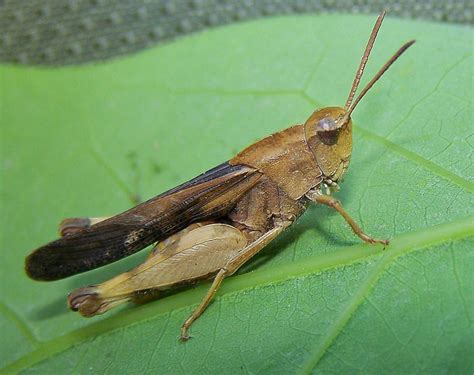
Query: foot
point(184, 335)
point(371, 240)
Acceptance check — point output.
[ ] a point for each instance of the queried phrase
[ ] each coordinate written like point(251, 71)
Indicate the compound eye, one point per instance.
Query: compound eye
point(326, 124)
point(328, 131)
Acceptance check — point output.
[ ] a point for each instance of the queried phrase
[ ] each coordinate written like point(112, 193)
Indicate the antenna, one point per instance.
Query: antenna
point(350, 106)
point(378, 75)
point(364, 59)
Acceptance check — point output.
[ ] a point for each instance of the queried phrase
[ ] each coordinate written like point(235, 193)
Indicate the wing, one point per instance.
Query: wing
point(208, 196)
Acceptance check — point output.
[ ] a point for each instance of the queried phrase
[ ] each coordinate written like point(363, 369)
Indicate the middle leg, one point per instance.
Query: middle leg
point(230, 268)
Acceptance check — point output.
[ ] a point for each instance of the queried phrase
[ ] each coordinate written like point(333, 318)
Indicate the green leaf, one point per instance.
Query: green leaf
point(84, 141)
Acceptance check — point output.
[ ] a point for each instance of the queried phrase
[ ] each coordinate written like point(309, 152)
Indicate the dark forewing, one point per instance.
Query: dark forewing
point(207, 196)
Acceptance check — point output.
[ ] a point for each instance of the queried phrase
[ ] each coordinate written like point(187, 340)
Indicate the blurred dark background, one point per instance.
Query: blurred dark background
point(61, 32)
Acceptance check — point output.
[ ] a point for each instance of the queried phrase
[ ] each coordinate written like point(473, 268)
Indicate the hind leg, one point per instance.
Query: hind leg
point(162, 245)
point(78, 224)
point(197, 255)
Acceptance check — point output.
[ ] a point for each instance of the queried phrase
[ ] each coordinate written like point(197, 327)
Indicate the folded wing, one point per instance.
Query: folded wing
point(210, 195)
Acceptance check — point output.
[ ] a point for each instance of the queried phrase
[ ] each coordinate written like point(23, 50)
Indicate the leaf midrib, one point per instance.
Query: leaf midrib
point(341, 257)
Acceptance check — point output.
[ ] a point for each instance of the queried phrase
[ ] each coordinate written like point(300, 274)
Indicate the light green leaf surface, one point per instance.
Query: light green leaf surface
point(84, 141)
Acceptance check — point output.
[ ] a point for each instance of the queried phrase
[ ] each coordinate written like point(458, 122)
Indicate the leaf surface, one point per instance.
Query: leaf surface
point(87, 140)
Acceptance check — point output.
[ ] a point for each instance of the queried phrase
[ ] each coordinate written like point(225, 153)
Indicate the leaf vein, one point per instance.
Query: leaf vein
point(422, 99)
point(412, 156)
point(367, 285)
point(458, 281)
point(114, 175)
point(11, 315)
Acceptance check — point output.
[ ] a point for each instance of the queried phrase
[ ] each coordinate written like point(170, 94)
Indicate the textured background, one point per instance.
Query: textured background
point(57, 32)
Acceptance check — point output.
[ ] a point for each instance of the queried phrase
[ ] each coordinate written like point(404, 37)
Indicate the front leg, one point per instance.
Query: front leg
point(327, 200)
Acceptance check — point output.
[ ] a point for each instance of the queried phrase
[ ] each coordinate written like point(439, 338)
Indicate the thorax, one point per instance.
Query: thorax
point(284, 157)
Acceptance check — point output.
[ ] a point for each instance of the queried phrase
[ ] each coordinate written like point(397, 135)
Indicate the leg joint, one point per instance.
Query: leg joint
point(334, 203)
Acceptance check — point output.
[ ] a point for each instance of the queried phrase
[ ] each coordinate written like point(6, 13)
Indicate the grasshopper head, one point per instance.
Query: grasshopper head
point(329, 136)
point(328, 131)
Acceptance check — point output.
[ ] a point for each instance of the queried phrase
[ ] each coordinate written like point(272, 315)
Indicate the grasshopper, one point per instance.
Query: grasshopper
point(208, 227)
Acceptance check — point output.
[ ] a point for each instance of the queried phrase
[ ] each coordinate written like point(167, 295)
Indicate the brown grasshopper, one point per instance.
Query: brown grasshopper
point(208, 227)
